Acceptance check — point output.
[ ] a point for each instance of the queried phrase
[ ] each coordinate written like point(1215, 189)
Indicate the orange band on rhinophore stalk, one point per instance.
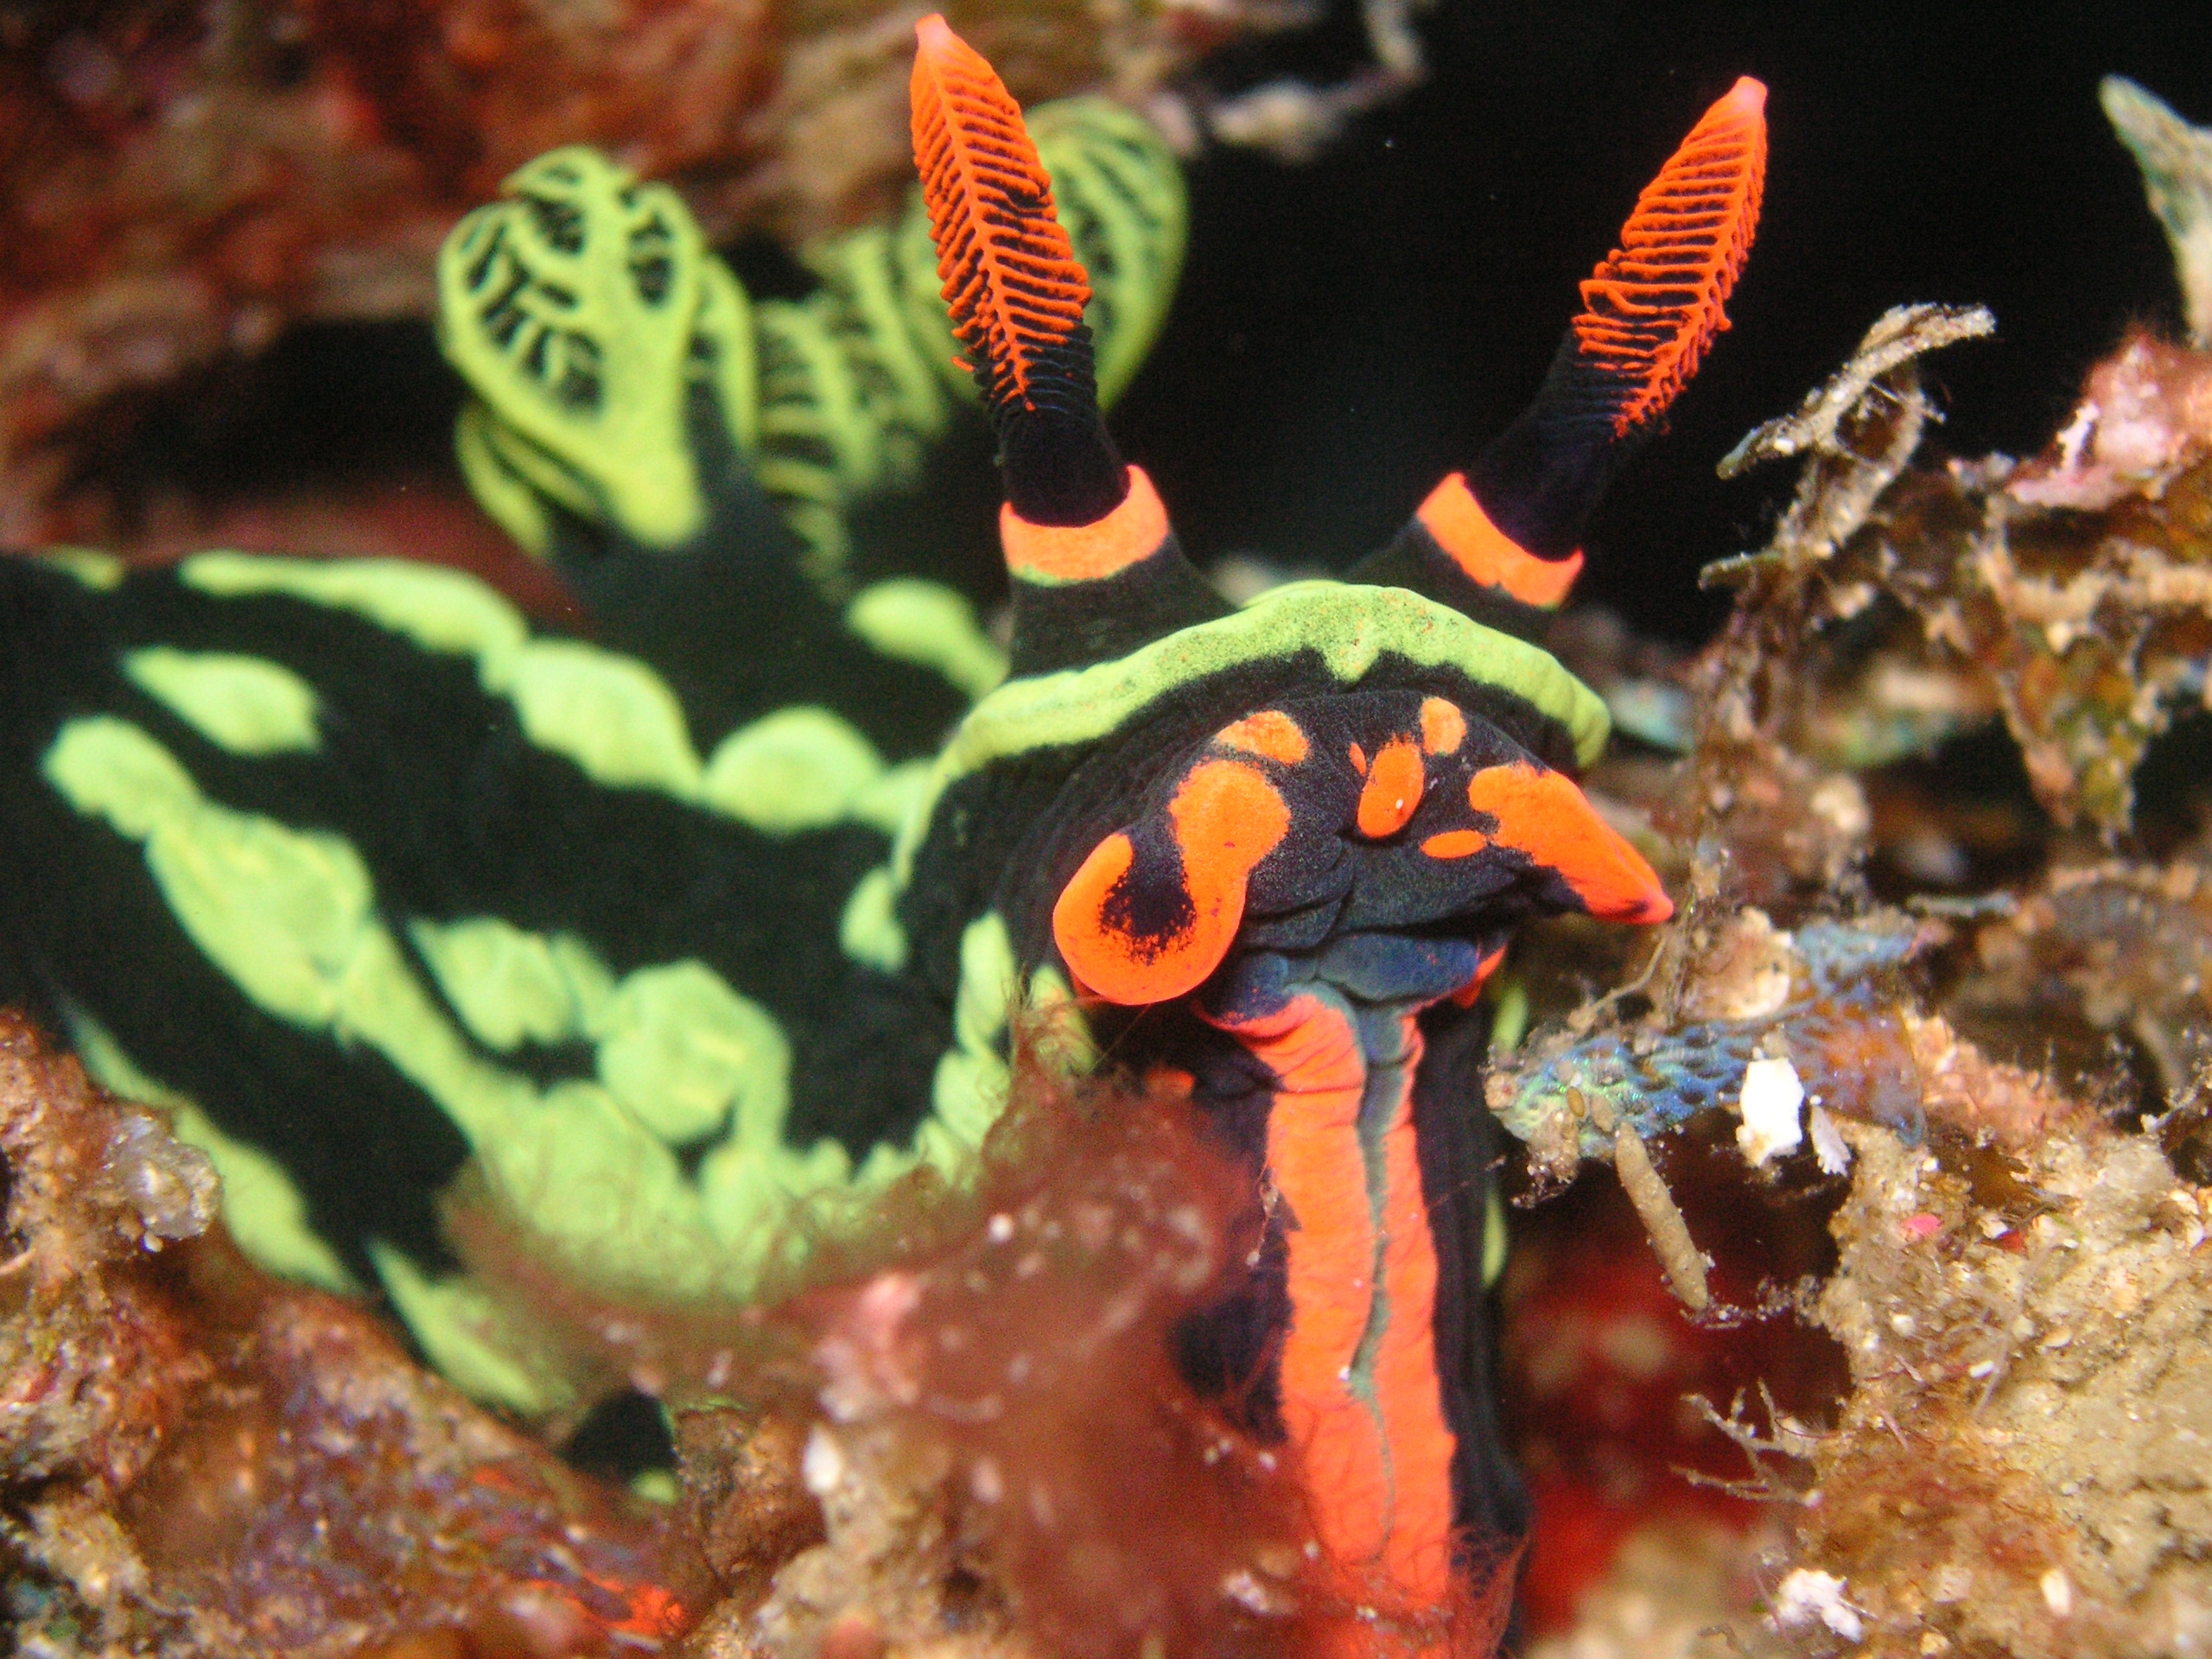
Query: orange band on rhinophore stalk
point(1489, 557)
point(1544, 815)
point(1055, 554)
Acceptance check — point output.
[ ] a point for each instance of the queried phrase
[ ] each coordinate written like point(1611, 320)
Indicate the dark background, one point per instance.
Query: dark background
point(1350, 330)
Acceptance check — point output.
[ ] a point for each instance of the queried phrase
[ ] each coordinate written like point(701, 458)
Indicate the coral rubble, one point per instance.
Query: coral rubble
point(199, 1460)
point(1997, 1103)
point(2020, 1466)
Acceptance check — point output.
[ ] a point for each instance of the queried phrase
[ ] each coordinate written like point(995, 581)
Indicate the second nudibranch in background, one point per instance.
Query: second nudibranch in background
point(1277, 850)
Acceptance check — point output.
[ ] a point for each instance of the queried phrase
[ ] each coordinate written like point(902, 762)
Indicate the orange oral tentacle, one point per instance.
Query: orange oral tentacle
point(1224, 819)
point(1544, 815)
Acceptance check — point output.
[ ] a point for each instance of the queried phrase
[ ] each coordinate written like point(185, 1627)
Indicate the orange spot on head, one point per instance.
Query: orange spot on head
point(1544, 815)
point(1270, 733)
point(1357, 756)
point(1489, 557)
point(1393, 790)
point(1455, 843)
point(1654, 304)
point(1055, 554)
point(1224, 819)
point(1010, 278)
point(1443, 727)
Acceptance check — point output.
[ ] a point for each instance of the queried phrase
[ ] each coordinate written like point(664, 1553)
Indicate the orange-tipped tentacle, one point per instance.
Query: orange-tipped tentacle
point(1543, 814)
point(1653, 305)
point(1155, 908)
point(1016, 290)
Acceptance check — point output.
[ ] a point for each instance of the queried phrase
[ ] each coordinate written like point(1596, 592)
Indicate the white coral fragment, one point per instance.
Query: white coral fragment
point(1830, 1151)
point(1806, 1595)
point(1772, 1104)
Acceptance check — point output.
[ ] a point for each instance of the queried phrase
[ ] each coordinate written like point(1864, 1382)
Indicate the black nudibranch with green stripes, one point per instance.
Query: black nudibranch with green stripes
point(676, 922)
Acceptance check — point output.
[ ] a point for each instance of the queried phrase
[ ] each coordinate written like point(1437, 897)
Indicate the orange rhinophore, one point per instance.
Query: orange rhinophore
point(1010, 275)
point(1502, 539)
point(1653, 305)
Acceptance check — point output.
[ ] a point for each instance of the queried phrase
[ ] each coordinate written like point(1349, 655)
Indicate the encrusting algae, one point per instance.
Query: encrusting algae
point(1951, 1052)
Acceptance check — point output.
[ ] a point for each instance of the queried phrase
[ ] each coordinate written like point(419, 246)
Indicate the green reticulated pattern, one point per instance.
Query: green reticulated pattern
point(570, 307)
point(591, 1165)
point(1348, 626)
point(584, 309)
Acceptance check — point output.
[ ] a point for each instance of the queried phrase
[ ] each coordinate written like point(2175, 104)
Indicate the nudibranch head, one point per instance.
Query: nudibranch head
point(1404, 790)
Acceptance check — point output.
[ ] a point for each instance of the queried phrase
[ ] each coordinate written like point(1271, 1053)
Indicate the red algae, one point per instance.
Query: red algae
point(1016, 1392)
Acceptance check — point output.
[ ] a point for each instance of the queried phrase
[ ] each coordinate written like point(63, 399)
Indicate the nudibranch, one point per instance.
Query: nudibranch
point(672, 927)
point(1294, 838)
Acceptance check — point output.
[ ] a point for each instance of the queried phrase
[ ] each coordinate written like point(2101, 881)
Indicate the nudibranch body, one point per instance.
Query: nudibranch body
point(676, 926)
